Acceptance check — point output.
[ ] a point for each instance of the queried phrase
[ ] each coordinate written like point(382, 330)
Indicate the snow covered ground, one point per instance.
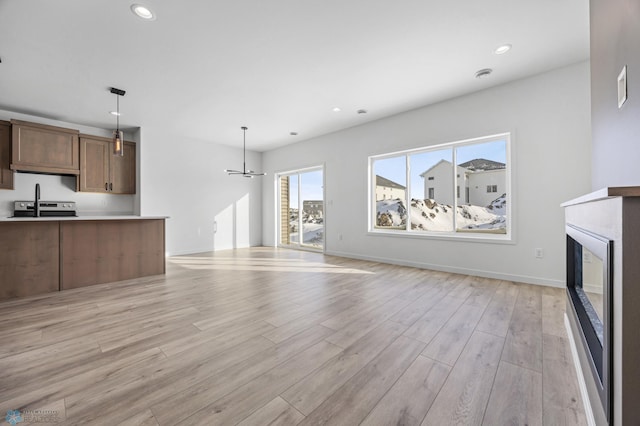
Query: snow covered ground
point(312, 228)
point(429, 215)
point(313, 234)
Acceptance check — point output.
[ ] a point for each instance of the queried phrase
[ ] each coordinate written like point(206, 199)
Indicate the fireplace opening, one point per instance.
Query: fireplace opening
point(589, 280)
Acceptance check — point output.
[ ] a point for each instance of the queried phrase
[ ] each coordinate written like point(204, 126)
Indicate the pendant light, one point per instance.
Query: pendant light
point(246, 173)
point(118, 135)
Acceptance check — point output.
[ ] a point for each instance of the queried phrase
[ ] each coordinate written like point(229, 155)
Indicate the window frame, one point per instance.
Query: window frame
point(506, 238)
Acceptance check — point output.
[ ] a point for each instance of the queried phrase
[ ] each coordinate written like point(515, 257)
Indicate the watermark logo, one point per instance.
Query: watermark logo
point(13, 417)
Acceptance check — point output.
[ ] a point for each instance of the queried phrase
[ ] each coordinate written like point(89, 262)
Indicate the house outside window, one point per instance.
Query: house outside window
point(459, 189)
point(390, 194)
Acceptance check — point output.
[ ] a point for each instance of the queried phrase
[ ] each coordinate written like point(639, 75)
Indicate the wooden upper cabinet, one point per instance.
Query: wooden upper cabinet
point(101, 171)
point(46, 149)
point(123, 170)
point(94, 164)
point(6, 174)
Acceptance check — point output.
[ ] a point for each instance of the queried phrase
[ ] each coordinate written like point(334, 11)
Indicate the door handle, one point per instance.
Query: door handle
point(106, 186)
point(111, 186)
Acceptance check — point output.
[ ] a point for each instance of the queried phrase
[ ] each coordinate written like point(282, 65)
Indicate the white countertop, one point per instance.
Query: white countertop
point(88, 217)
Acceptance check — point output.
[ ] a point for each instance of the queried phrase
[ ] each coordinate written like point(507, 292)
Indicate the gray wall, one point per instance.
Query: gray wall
point(208, 210)
point(549, 117)
point(615, 42)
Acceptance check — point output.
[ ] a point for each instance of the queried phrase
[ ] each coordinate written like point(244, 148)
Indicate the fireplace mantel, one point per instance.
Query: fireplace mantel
point(604, 193)
point(614, 213)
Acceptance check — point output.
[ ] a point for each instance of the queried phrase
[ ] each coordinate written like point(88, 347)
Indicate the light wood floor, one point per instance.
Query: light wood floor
point(263, 336)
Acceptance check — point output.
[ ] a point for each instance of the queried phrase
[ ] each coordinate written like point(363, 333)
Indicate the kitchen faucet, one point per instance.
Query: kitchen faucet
point(36, 206)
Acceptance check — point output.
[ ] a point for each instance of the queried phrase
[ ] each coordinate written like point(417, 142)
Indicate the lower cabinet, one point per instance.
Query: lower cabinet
point(38, 257)
point(103, 251)
point(29, 258)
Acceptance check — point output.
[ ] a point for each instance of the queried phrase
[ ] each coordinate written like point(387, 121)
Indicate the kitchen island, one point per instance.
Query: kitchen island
point(41, 255)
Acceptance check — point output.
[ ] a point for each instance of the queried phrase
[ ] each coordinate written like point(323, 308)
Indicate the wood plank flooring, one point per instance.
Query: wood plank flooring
point(266, 336)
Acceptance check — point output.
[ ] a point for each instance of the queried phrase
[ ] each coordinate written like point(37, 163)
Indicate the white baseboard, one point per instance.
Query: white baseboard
point(208, 249)
point(456, 270)
point(190, 251)
point(581, 383)
point(592, 288)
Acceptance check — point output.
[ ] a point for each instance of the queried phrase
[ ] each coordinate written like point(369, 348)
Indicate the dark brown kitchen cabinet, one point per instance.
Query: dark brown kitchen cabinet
point(44, 149)
point(45, 255)
point(6, 174)
point(94, 164)
point(101, 171)
point(29, 258)
point(123, 171)
point(103, 251)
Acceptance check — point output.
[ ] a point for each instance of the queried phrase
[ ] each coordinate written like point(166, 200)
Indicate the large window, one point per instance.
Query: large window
point(454, 189)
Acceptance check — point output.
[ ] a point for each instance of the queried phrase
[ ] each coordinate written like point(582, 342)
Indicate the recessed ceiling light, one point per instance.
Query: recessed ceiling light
point(362, 111)
point(293, 133)
point(500, 50)
point(116, 113)
point(336, 109)
point(143, 12)
point(483, 72)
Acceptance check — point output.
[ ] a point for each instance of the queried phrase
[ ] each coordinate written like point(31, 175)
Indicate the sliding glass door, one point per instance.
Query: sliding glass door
point(301, 209)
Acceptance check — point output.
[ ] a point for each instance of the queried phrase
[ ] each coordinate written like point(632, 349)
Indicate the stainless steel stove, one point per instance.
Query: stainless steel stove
point(46, 208)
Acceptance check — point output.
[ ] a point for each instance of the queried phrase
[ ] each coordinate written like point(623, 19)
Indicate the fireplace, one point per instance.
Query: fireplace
point(589, 294)
point(603, 231)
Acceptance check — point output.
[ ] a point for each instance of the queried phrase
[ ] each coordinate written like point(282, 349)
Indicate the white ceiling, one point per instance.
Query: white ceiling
point(204, 68)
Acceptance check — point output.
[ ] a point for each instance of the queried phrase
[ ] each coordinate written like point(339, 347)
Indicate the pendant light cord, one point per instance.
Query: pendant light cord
point(244, 172)
point(117, 113)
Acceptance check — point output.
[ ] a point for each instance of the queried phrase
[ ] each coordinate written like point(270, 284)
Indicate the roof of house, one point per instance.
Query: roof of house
point(481, 164)
point(380, 181)
point(475, 165)
point(434, 166)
